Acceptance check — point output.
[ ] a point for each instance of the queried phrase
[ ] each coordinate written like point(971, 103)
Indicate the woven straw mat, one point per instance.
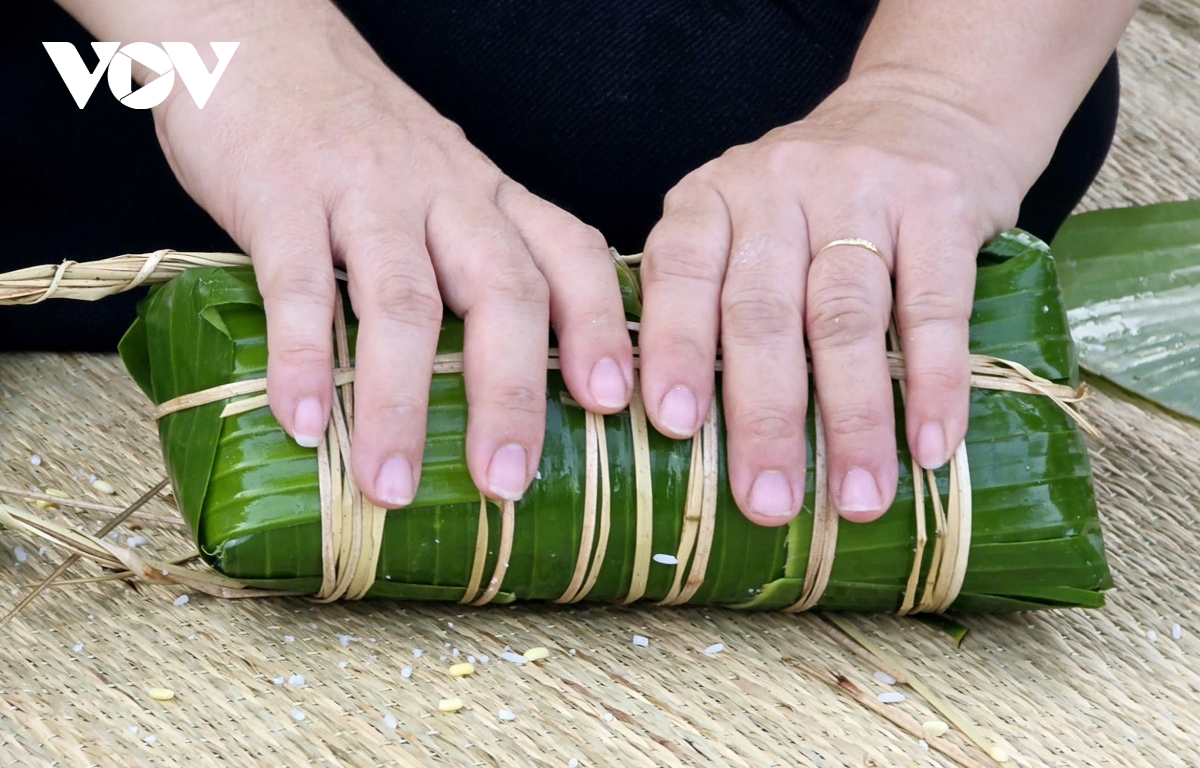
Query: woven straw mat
point(1114, 687)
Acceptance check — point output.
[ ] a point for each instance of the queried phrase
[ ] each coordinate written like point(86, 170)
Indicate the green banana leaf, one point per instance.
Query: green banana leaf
point(1131, 281)
point(249, 493)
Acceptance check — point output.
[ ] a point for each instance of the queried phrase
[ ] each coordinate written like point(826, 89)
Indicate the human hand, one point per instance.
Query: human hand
point(905, 168)
point(313, 154)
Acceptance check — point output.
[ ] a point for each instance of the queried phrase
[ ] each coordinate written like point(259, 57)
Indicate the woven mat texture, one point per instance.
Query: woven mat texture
point(1102, 688)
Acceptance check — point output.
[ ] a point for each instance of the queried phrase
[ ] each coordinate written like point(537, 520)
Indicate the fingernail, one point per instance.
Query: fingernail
point(506, 473)
point(308, 422)
point(607, 385)
point(678, 411)
point(860, 493)
point(931, 446)
point(771, 495)
point(394, 483)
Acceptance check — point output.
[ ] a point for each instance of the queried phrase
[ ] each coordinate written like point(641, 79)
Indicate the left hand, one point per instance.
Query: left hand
point(903, 167)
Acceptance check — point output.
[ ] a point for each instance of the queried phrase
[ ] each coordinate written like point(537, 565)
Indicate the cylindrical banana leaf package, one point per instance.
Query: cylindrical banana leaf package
point(250, 494)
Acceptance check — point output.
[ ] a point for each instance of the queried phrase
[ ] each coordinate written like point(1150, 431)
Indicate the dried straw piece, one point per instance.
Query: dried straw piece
point(708, 506)
point(89, 506)
point(644, 538)
point(481, 545)
point(588, 529)
point(507, 523)
point(693, 500)
point(605, 510)
point(823, 546)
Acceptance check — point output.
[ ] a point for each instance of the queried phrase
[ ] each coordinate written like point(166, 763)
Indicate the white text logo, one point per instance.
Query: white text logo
point(118, 60)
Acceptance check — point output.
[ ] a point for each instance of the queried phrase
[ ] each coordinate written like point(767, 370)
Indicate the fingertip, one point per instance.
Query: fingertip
point(860, 498)
point(508, 472)
point(395, 483)
point(609, 386)
point(930, 446)
point(308, 422)
point(772, 500)
point(678, 414)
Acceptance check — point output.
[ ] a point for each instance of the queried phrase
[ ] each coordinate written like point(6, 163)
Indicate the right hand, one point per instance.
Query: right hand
point(311, 154)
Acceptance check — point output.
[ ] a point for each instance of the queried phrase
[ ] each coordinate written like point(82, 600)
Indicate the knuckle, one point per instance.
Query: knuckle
point(941, 379)
point(771, 423)
point(300, 351)
point(840, 314)
point(521, 399)
point(401, 298)
point(928, 307)
point(397, 410)
point(518, 284)
point(678, 259)
point(758, 313)
point(294, 283)
point(854, 420)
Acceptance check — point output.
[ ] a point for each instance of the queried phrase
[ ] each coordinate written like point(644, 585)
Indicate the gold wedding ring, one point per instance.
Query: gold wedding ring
point(853, 242)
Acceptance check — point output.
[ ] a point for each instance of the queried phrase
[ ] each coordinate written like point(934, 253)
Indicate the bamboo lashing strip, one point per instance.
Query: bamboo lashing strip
point(823, 545)
point(346, 540)
point(644, 537)
point(592, 437)
point(690, 529)
point(481, 545)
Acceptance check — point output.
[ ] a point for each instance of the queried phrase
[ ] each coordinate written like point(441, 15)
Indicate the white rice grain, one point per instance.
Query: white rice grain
point(640, 641)
point(390, 722)
point(715, 648)
point(666, 559)
point(1176, 632)
point(296, 680)
point(78, 648)
point(297, 715)
point(20, 554)
point(514, 658)
point(35, 460)
point(885, 678)
point(892, 697)
point(406, 672)
point(181, 600)
point(506, 716)
point(133, 542)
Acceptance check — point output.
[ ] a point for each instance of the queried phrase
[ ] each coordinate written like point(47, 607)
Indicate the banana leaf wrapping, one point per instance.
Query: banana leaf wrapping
point(250, 494)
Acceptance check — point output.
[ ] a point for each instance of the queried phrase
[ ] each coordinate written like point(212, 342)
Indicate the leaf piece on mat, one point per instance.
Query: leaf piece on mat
point(1131, 284)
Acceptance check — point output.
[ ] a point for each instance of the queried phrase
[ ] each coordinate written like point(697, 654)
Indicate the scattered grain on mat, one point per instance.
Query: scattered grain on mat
point(160, 694)
point(103, 486)
point(470, 659)
point(715, 648)
point(573, 763)
point(20, 554)
point(935, 727)
point(640, 641)
point(537, 654)
point(181, 600)
point(1176, 632)
point(923, 745)
point(78, 648)
point(607, 717)
point(297, 715)
point(892, 697)
point(885, 678)
point(450, 705)
point(506, 716)
point(406, 672)
point(296, 680)
point(484, 659)
point(514, 658)
point(289, 639)
point(417, 653)
point(1152, 636)
point(461, 670)
point(150, 740)
point(998, 754)
point(390, 722)
point(133, 542)
point(35, 460)
point(278, 681)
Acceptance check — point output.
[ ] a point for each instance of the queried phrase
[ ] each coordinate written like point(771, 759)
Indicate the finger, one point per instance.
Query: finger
point(399, 311)
point(585, 300)
point(492, 283)
point(935, 283)
point(849, 301)
point(682, 272)
point(765, 379)
point(295, 277)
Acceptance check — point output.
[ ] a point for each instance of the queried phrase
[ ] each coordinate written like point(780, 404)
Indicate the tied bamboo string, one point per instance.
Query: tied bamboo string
point(352, 527)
